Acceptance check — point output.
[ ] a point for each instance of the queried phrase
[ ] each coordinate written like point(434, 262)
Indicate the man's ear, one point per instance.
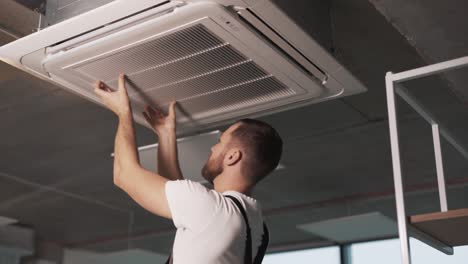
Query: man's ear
point(232, 157)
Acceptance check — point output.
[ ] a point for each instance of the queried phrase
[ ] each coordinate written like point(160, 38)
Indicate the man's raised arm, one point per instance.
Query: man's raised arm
point(145, 187)
point(165, 129)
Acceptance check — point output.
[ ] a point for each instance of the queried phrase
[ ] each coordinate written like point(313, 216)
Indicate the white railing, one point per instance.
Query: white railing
point(393, 86)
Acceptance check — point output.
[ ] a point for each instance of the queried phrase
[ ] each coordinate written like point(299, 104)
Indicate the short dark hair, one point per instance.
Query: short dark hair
point(263, 145)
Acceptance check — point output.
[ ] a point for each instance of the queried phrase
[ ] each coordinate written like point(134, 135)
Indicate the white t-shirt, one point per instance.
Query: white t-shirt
point(210, 227)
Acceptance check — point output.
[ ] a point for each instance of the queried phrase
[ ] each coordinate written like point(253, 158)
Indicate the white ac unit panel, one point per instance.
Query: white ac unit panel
point(221, 62)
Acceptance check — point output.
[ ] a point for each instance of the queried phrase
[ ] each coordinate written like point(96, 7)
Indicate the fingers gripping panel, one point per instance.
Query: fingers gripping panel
point(193, 66)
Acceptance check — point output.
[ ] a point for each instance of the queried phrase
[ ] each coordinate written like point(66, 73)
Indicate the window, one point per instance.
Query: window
point(382, 252)
point(422, 253)
point(326, 255)
point(388, 251)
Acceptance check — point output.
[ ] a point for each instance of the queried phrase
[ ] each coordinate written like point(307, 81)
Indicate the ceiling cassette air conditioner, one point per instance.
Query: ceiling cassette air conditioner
point(221, 60)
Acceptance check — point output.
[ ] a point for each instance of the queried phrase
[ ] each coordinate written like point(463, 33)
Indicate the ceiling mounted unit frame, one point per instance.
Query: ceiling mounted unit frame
point(222, 60)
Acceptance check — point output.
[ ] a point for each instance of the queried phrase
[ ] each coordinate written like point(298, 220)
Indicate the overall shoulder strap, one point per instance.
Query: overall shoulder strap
point(169, 259)
point(248, 244)
point(265, 237)
point(263, 247)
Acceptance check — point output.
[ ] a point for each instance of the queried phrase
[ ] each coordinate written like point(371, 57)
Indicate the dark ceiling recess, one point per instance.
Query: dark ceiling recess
point(313, 16)
point(37, 5)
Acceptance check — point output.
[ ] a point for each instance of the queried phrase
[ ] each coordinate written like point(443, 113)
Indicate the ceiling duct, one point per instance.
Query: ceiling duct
point(222, 60)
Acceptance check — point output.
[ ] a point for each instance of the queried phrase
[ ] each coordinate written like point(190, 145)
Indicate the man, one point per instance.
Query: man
point(223, 225)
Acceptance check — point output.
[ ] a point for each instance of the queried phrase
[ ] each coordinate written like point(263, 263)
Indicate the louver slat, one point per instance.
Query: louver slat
point(171, 47)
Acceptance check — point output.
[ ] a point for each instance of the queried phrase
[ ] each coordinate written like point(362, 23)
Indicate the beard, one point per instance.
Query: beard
point(213, 167)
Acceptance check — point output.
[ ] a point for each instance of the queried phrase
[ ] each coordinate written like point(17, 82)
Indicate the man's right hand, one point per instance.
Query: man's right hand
point(158, 121)
point(165, 128)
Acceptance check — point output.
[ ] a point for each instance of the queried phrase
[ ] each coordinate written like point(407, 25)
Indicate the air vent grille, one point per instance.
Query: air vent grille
point(249, 94)
point(193, 67)
point(207, 75)
point(207, 83)
point(159, 51)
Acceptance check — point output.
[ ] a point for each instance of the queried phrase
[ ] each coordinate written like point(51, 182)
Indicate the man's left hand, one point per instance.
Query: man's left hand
point(117, 101)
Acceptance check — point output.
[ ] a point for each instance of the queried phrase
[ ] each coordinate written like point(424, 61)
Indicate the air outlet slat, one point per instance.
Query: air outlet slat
point(198, 85)
point(246, 95)
point(189, 68)
point(161, 50)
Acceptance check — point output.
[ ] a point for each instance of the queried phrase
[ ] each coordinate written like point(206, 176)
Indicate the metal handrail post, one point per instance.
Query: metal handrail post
point(397, 175)
point(439, 168)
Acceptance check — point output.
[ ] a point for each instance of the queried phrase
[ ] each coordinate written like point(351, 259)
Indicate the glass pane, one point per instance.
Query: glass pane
point(424, 254)
point(382, 252)
point(388, 251)
point(328, 255)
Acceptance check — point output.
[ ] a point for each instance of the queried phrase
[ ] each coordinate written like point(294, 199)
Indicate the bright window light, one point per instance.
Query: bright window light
point(382, 252)
point(424, 254)
point(388, 252)
point(327, 255)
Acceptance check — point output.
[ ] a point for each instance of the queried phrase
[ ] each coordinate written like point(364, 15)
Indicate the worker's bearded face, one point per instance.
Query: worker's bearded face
point(213, 166)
